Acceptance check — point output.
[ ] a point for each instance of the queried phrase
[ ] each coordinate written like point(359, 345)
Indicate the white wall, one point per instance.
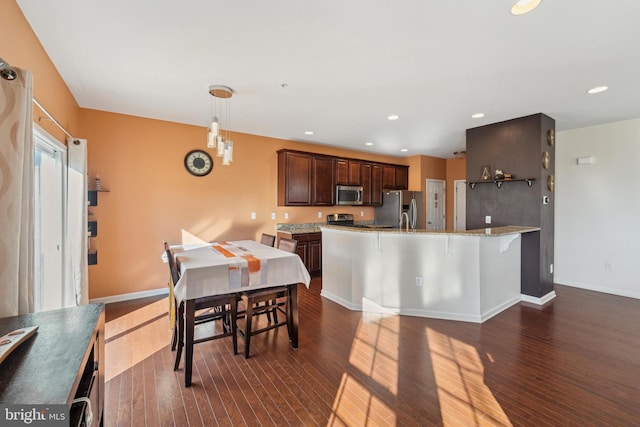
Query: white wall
point(597, 212)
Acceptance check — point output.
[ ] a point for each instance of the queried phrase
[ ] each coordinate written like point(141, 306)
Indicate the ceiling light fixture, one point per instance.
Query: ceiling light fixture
point(220, 111)
point(308, 132)
point(477, 115)
point(404, 150)
point(459, 154)
point(368, 143)
point(597, 89)
point(524, 6)
point(393, 117)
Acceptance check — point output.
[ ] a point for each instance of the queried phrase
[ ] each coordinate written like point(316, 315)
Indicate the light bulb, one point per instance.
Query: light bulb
point(220, 146)
point(211, 140)
point(215, 127)
point(225, 158)
point(230, 150)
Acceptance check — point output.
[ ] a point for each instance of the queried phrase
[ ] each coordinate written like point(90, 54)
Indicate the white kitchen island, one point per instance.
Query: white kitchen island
point(469, 275)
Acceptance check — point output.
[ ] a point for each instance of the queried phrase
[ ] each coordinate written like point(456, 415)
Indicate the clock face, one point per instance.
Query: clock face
point(198, 162)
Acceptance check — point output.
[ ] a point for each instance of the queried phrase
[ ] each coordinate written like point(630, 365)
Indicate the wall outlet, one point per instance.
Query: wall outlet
point(319, 214)
point(419, 281)
point(361, 213)
point(286, 215)
point(487, 219)
point(273, 215)
point(254, 215)
point(550, 268)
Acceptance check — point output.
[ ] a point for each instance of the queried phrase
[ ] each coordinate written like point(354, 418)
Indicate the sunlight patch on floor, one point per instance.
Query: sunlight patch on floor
point(459, 375)
point(131, 338)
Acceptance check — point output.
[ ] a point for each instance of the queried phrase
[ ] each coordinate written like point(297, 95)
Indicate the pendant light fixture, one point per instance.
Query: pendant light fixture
point(219, 133)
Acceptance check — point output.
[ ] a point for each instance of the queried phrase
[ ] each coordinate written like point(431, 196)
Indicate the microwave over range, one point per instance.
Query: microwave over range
point(348, 195)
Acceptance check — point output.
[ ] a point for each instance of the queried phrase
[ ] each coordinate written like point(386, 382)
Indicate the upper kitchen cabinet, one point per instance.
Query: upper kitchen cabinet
point(371, 180)
point(305, 179)
point(395, 177)
point(348, 172)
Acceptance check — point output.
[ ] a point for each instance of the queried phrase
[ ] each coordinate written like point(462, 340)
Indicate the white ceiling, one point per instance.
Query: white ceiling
point(348, 64)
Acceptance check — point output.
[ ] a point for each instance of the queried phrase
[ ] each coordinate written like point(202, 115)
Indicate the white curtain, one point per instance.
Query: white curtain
point(16, 195)
point(77, 262)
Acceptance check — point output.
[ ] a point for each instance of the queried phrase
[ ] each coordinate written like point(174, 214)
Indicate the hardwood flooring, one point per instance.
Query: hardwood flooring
point(574, 362)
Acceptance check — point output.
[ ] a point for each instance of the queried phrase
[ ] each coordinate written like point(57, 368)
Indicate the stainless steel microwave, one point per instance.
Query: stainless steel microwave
point(348, 195)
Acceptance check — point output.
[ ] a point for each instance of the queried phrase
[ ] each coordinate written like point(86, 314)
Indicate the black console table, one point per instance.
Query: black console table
point(63, 361)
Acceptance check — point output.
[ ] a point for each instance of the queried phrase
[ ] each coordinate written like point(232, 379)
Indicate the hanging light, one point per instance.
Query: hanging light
point(219, 134)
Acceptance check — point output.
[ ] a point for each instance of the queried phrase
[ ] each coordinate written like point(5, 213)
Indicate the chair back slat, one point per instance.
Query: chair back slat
point(288, 245)
point(268, 239)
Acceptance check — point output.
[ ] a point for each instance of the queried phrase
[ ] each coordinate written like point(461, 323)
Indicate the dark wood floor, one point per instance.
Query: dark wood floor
point(575, 362)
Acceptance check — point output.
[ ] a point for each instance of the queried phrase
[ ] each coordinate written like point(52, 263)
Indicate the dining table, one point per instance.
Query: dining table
point(229, 267)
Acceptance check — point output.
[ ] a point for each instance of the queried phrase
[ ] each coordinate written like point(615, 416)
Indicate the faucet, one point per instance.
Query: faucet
point(405, 216)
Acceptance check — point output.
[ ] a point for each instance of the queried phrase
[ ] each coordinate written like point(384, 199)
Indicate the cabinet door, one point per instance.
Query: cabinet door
point(376, 185)
point(389, 176)
point(303, 252)
point(354, 172)
point(294, 179)
point(315, 257)
point(402, 177)
point(365, 181)
point(323, 181)
point(342, 171)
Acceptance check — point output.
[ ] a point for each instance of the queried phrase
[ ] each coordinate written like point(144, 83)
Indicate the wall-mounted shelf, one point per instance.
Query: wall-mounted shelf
point(499, 182)
point(92, 226)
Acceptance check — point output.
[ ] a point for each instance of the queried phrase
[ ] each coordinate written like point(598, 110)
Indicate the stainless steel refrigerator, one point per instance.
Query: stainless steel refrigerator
point(394, 203)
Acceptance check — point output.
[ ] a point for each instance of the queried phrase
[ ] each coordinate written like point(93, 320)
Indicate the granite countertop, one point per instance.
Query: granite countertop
point(492, 232)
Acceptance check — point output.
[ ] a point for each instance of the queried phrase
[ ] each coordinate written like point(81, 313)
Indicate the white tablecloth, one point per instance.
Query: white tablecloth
point(205, 271)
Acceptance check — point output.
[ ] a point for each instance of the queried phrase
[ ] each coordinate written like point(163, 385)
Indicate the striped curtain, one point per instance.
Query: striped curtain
point(16, 195)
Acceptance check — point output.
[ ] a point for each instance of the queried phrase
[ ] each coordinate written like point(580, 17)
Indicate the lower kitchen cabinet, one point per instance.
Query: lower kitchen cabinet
point(309, 250)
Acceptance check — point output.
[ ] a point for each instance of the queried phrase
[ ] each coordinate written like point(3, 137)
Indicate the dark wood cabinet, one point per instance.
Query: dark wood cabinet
point(61, 362)
point(322, 181)
point(395, 177)
point(305, 179)
point(308, 179)
point(309, 250)
point(371, 180)
point(348, 172)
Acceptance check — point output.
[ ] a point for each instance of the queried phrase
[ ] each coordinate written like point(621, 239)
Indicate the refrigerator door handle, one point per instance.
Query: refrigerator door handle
point(413, 213)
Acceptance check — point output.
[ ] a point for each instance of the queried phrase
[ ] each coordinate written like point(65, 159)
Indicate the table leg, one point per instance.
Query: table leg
point(190, 312)
point(292, 313)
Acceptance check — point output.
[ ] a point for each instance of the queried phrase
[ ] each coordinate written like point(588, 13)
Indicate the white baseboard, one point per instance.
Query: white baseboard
point(539, 301)
point(603, 289)
point(133, 295)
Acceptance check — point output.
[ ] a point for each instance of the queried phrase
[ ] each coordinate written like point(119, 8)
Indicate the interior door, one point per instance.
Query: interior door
point(436, 202)
point(460, 205)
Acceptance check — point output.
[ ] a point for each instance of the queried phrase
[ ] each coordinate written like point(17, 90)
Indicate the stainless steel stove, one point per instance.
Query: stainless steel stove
point(340, 219)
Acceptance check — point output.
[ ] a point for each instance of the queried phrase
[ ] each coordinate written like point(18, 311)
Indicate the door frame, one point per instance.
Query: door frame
point(457, 182)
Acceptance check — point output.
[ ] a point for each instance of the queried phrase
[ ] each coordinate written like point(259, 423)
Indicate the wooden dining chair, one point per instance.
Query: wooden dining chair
point(274, 299)
point(268, 239)
point(222, 308)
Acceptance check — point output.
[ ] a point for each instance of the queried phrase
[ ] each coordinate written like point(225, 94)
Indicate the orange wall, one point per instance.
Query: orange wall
point(152, 197)
point(456, 169)
point(20, 47)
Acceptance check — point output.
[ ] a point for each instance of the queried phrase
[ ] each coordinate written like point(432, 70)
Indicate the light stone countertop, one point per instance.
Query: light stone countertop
point(492, 232)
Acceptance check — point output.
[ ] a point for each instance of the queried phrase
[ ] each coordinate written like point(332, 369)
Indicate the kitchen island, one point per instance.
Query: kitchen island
point(468, 275)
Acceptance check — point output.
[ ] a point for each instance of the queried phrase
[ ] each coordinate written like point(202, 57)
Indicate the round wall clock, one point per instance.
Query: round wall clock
point(198, 162)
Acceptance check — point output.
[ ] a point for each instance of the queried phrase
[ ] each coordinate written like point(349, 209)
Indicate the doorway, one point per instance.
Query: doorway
point(460, 205)
point(436, 203)
point(49, 221)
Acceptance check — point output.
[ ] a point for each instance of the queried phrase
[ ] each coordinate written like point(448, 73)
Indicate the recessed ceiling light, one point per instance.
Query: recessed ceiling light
point(393, 117)
point(477, 115)
point(404, 150)
point(308, 132)
point(524, 6)
point(368, 143)
point(597, 89)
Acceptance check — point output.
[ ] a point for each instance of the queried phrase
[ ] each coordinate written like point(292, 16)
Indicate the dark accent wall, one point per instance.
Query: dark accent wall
point(516, 147)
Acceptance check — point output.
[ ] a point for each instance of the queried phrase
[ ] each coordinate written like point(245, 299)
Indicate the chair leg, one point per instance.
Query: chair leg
point(247, 327)
point(174, 337)
point(234, 326)
point(189, 337)
point(180, 336)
